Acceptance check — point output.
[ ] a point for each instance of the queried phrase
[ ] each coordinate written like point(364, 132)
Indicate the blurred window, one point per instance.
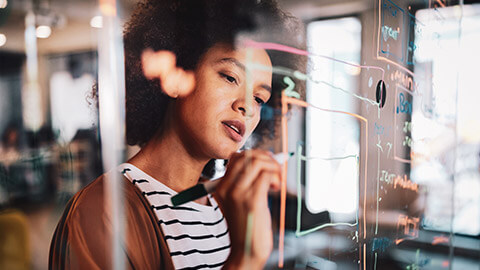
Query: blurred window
point(332, 138)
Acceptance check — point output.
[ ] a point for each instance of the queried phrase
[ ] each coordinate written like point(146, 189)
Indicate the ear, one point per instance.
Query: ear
point(161, 65)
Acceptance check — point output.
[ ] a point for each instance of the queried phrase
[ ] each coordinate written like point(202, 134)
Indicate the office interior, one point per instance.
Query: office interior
point(408, 197)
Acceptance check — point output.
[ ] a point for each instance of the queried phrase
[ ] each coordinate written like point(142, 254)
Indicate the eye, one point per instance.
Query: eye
point(259, 100)
point(230, 79)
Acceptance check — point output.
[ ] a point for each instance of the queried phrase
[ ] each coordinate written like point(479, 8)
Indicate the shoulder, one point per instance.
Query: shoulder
point(83, 234)
point(93, 203)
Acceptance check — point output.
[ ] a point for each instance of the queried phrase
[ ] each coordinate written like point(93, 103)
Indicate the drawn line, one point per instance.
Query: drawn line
point(359, 256)
point(291, 85)
point(302, 76)
point(332, 158)
point(298, 231)
point(347, 92)
point(299, 187)
point(284, 48)
point(410, 92)
point(283, 192)
point(378, 184)
point(280, 47)
point(248, 234)
point(364, 256)
point(402, 159)
point(395, 157)
point(440, 3)
point(306, 104)
point(440, 239)
point(378, 43)
point(302, 233)
point(398, 241)
point(379, 146)
point(389, 148)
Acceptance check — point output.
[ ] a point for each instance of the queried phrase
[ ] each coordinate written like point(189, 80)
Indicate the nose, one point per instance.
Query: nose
point(240, 105)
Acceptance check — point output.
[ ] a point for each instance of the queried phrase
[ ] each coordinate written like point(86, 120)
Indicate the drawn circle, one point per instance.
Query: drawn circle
point(381, 93)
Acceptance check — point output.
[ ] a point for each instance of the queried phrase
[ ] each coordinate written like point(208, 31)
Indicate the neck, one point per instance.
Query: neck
point(168, 159)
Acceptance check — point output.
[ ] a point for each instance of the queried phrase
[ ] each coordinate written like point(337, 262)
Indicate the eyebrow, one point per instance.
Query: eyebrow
point(237, 63)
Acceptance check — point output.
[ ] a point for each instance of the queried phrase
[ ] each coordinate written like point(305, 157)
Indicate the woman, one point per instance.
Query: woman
point(178, 135)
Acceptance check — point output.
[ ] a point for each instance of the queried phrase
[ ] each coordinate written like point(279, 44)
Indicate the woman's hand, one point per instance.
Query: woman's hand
point(243, 194)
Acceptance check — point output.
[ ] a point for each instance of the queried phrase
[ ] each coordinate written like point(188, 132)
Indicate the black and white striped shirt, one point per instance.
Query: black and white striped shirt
point(196, 235)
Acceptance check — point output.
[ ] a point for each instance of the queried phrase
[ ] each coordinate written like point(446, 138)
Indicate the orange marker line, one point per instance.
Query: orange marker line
point(440, 3)
point(359, 257)
point(440, 239)
point(365, 183)
point(283, 192)
point(398, 241)
point(402, 160)
point(306, 104)
point(364, 256)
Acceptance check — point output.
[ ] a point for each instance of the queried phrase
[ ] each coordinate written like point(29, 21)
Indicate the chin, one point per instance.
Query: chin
point(226, 154)
point(225, 151)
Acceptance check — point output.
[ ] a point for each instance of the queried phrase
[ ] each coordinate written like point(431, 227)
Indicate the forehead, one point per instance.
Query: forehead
point(242, 55)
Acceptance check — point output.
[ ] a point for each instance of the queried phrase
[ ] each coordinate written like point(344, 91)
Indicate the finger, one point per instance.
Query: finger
point(249, 152)
point(259, 190)
point(252, 171)
point(247, 155)
point(276, 182)
point(248, 164)
point(240, 170)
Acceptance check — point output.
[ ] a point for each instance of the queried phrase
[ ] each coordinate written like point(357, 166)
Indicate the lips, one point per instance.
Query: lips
point(235, 129)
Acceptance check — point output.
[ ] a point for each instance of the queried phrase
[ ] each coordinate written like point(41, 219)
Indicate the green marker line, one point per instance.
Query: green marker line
point(302, 233)
point(305, 77)
point(298, 231)
point(299, 188)
point(332, 158)
point(289, 90)
point(248, 234)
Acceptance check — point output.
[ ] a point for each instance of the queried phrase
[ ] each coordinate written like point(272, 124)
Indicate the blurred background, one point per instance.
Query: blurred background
point(51, 145)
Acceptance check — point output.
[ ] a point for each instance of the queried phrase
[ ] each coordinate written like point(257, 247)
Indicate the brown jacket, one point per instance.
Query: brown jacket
point(82, 237)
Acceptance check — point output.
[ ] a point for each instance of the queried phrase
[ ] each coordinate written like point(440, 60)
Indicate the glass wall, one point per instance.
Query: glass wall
point(383, 144)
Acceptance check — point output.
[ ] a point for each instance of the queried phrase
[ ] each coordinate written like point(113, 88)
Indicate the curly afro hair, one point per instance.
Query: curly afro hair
point(189, 28)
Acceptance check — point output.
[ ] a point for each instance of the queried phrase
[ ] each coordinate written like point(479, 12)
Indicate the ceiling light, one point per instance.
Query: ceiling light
point(3, 3)
point(43, 31)
point(96, 22)
point(3, 40)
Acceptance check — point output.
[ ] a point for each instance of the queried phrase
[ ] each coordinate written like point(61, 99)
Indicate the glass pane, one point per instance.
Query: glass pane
point(372, 117)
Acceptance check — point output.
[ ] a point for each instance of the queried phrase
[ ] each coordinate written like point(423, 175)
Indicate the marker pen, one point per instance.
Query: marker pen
point(205, 188)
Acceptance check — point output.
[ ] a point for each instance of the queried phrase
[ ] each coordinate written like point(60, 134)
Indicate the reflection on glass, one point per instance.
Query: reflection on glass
point(447, 48)
point(332, 140)
point(49, 145)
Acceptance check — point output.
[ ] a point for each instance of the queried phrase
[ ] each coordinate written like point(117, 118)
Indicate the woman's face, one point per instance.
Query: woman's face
point(214, 121)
